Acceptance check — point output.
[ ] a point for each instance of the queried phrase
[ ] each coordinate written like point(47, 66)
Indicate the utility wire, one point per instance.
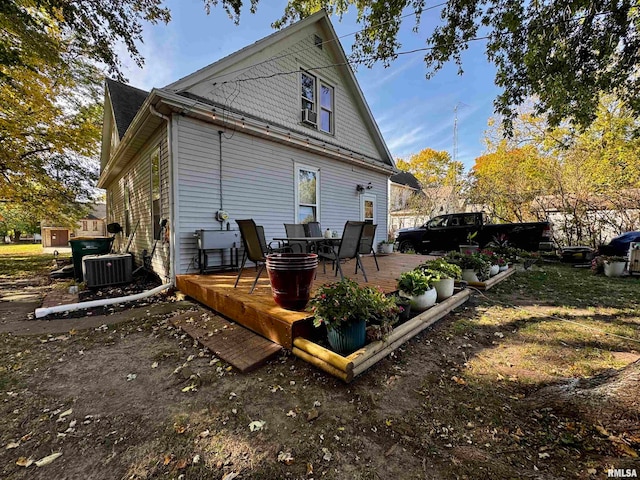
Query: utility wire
point(337, 39)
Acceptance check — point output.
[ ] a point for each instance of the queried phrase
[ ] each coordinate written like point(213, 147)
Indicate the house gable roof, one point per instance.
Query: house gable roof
point(406, 178)
point(125, 102)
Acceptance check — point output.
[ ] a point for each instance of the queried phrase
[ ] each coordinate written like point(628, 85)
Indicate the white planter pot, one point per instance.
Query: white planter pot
point(386, 248)
point(420, 303)
point(470, 275)
point(495, 269)
point(503, 268)
point(614, 269)
point(444, 288)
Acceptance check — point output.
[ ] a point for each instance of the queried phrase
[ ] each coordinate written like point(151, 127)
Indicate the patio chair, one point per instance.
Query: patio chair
point(296, 230)
point(366, 242)
point(349, 247)
point(267, 248)
point(255, 248)
point(312, 229)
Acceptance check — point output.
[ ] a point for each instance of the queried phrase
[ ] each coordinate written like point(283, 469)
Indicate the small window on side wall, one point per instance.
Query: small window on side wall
point(307, 194)
point(155, 193)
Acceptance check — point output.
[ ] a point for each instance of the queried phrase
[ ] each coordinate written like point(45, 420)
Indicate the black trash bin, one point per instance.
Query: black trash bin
point(81, 246)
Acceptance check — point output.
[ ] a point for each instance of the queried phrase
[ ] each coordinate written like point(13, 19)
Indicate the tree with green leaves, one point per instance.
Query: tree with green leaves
point(561, 54)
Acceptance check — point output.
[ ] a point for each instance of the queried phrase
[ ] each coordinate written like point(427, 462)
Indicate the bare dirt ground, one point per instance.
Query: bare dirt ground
point(490, 392)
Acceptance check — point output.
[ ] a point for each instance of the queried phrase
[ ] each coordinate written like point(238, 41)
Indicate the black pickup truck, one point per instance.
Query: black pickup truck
point(448, 232)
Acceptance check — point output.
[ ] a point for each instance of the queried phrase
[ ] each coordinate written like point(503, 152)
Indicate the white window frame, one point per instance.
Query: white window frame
point(318, 83)
point(363, 198)
point(296, 180)
point(322, 83)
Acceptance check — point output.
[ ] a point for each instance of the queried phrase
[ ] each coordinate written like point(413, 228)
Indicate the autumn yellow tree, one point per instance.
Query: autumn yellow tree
point(441, 179)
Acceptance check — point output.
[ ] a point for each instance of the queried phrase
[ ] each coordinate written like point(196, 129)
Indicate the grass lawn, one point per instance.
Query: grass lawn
point(23, 260)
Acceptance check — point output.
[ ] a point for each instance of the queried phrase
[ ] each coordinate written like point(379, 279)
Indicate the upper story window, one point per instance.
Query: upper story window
point(317, 96)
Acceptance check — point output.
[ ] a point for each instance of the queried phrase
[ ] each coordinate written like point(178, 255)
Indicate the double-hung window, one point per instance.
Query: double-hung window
point(307, 194)
point(318, 96)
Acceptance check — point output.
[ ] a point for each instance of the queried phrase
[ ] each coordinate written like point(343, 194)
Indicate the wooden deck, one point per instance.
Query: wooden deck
point(259, 312)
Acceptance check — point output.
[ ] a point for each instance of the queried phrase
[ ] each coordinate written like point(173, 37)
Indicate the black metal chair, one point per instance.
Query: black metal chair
point(349, 247)
point(312, 229)
point(367, 241)
point(256, 248)
point(296, 230)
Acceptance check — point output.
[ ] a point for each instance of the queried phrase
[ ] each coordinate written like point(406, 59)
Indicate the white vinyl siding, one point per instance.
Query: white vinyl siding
point(258, 181)
point(137, 177)
point(278, 99)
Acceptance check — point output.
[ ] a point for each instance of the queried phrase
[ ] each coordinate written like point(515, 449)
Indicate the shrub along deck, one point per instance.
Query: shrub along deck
point(259, 312)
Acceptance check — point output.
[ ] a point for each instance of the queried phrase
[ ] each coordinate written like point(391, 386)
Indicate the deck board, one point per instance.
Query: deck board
point(259, 312)
point(231, 342)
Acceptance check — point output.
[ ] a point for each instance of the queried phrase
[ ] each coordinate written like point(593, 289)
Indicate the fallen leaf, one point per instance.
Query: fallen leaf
point(204, 433)
point(256, 425)
point(317, 404)
point(190, 388)
point(131, 376)
point(73, 331)
point(179, 429)
point(230, 476)
point(182, 463)
point(601, 430)
point(458, 380)
point(196, 459)
point(66, 413)
point(543, 455)
point(167, 459)
point(275, 388)
point(327, 454)
point(309, 469)
point(154, 365)
point(291, 414)
point(48, 459)
point(312, 415)
point(24, 462)
point(592, 471)
point(285, 457)
point(11, 445)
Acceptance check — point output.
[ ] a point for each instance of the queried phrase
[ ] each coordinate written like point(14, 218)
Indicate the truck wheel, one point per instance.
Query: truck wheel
point(405, 246)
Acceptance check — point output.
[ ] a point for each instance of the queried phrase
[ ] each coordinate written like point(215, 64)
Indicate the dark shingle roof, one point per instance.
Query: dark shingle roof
point(406, 178)
point(126, 101)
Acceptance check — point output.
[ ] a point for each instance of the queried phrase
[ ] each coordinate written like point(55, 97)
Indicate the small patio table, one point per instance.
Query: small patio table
point(313, 242)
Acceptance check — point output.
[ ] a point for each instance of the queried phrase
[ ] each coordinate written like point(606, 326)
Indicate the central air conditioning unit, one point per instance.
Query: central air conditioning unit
point(309, 117)
point(106, 270)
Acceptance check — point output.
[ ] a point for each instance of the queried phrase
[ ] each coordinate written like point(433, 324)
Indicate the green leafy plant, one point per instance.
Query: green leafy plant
point(471, 261)
point(440, 268)
point(471, 238)
point(346, 301)
point(415, 282)
point(613, 258)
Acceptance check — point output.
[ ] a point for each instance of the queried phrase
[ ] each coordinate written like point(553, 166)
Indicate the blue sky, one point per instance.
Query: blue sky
point(413, 113)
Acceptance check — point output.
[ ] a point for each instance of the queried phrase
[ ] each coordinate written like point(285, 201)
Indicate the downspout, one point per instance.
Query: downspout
point(43, 312)
point(172, 215)
point(220, 132)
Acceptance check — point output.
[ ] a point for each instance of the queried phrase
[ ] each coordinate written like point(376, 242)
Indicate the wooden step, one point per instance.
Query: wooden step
point(233, 343)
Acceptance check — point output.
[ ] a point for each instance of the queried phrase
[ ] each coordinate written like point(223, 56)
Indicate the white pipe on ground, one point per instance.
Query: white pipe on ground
point(43, 312)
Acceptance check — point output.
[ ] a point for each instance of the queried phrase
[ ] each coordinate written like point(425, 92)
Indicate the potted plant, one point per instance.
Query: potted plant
point(502, 263)
point(614, 265)
point(417, 285)
point(386, 246)
point(444, 275)
point(404, 307)
point(475, 268)
point(343, 308)
point(471, 245)
point(491, 257)
point(384, 314)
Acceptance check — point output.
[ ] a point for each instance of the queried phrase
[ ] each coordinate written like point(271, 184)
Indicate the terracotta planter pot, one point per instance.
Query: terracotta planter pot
point(348, 337)
point(444, 288)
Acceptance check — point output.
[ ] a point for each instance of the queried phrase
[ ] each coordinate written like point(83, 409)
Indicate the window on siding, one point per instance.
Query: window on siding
point(326, 108)
point(84, 225)
point(95, 225)
point(318, 96)
point(308, 91)
point(307, 194)
point(155, 193)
